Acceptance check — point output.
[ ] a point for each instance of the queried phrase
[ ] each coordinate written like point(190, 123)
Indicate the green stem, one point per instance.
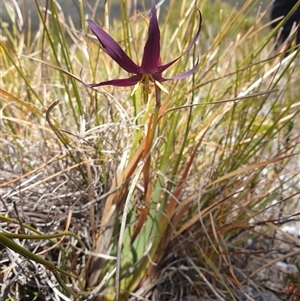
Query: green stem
point(44, 236)
point(9, 243)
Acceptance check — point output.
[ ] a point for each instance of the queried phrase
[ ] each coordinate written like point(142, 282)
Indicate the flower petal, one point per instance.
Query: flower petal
point(186, 73)
point(164, 67)
point(152, 47)
point(160, 79)
point(113, 49)
point(123, 82)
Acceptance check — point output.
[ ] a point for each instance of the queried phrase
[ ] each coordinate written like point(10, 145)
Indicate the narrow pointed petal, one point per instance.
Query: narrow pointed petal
point(152, 47)
point(123, 82)
point(186, 73)
point(160, 79)
point(113, 49)
point(183, 75)
point(166, 66)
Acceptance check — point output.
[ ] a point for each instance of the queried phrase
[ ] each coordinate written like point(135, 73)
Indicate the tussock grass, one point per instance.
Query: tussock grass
point(75, 161)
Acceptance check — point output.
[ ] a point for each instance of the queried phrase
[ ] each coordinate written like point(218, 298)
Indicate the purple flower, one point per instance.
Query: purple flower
point(151, 68)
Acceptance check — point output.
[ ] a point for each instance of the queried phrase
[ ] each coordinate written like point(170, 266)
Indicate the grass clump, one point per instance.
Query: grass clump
point(107, 197)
